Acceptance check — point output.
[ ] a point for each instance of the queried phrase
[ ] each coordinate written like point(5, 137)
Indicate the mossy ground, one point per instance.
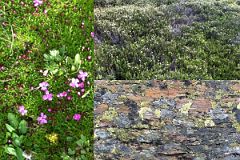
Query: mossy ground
point(26, 34)
point(170, 39)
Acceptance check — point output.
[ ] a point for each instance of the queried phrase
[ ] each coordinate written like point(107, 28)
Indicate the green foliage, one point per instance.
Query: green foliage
point(27, 38)
point(13, 120)
point(23, 127)
point(167, 39)
point(15, 134)
point(80, 152)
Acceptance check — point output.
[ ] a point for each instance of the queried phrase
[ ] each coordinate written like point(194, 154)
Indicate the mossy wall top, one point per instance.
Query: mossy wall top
point(169, 39)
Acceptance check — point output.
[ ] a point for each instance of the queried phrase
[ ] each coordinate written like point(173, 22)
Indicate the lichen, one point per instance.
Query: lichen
point(236, 125)
point(142, 111)
point(238, 106)
point(185, 108)
point(214, 104)
point(110, 114)
point(209, 123)
point(157, 112)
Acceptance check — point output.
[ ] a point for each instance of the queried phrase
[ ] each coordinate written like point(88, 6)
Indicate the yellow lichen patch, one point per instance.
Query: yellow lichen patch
point(115, 150)
point(214, 104)
point(219, 94)
point(157, 112)
point(143, 110)
point(230, 104)
point(140, 126)
point(209, 123)
point(238, 106)
point(144, 104)
point(236, 125)
point(121, 134)
point(109, 115)
point(157, 124)
point(111, 130)
point(199, 123)
point(185, 108)
point(122, 97)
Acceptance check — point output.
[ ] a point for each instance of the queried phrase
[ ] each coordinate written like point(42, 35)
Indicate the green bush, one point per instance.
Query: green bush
point(167, 40)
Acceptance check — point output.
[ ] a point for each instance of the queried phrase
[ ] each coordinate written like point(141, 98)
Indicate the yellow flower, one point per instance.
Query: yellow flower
point(53, 137)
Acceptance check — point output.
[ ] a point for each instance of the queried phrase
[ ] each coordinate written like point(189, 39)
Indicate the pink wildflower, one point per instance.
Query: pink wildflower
point(77, 117)
point(82, 75)
point(62, 94)
point(22, 110)
point(69, 98)
point(43, 86)
point(89, 58)
point(42, 119)
point(81, 85)
point(1, 67)
point(48, 96)
point(92, 34)
point(74, 83)
point(37, 2)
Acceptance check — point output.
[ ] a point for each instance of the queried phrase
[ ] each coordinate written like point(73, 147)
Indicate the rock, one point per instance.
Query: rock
point(146, 122)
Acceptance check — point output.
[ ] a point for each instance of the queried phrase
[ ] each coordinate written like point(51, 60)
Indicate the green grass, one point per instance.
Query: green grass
point(170, 39)
point(24, 39)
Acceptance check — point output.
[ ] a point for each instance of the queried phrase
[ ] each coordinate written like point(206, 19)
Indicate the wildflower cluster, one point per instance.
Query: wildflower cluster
point(52, 102)
point(77, 83)
point(53, 137)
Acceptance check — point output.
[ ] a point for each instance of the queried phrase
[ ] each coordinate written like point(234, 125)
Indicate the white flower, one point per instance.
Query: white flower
point(27, 156)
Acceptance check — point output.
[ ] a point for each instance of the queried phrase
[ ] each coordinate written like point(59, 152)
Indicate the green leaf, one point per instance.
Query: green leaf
point(69, 60)
point(74, 2)
point(10, 128)
point(83, 157)
point(10, 150)
point(71, 152)
point(54, 53)
point(85, 94)
point(8, 134)
point(77, 60)
point(19, 153)
point(13, 120)
point(23, 127)
point(45, 56)
point(79, 143)
point(55, 71)
point(69, 139)
point(73, 68)
point(17, 142)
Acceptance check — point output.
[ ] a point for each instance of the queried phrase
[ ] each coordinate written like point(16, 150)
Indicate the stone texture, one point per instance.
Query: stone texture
point(167, 120)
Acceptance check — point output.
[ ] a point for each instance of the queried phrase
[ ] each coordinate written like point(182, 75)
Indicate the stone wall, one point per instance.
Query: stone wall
point(167, 120)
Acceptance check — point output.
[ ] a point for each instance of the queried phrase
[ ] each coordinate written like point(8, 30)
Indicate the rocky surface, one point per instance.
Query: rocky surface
point(167, 120)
